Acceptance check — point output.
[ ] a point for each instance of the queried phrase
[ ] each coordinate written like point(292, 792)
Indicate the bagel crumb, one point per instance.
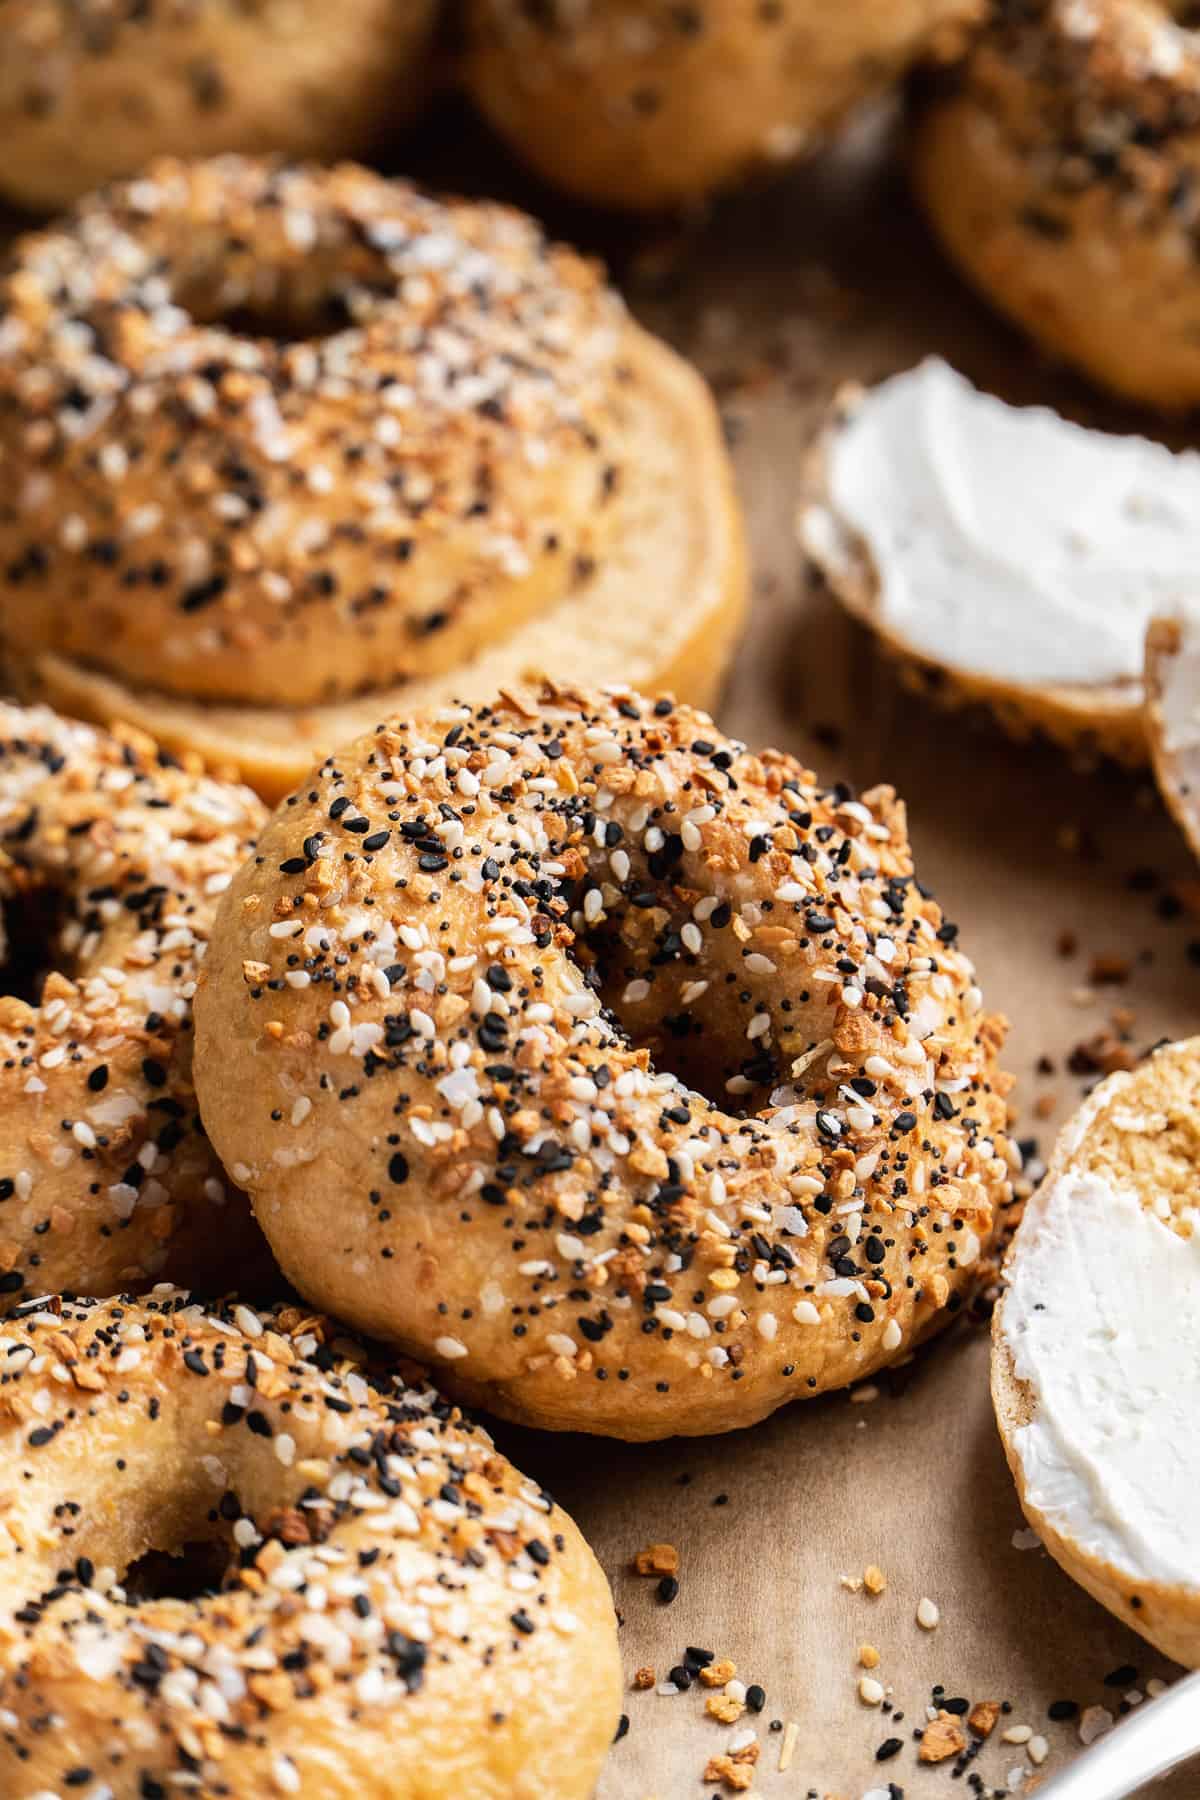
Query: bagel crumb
point(983, 1716)
point(716, 1674)
point(657, 1559)
point(941, 1738)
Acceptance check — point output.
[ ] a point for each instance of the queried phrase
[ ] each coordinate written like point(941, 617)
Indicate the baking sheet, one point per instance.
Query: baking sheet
point(779, 295)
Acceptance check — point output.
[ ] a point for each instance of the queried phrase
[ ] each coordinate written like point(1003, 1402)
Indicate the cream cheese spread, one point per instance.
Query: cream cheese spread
point(1102, 1320)
point(1007, 542)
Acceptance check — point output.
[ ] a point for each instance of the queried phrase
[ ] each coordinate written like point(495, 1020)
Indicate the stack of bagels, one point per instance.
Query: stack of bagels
point(414, 999)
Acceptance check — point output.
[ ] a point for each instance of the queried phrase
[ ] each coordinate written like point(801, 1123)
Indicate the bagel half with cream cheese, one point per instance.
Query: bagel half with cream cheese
point(285, 450)
point(1004, 555)
point(1096, 1351)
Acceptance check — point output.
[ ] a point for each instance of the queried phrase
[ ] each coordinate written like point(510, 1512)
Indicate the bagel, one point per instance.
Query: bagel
point(111, 861)
point(94, 89)
point(1095, 1375)
point(1004, 555)
point(384, 1608)
point(1057, 166)
point(253, 548)
point(406, 1009)
point(1173, 719)
point(647, 106)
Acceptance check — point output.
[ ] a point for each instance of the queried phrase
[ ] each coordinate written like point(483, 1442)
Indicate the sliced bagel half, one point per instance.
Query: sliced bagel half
point(1003, 554)
point(1096, 1351)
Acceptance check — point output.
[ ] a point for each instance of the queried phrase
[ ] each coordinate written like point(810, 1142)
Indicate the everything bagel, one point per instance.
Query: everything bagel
point(284, 449)
point(111, 864)
point(647, 103)
point(94, 89)
point(408, 1055)
point(1058, 167)
point(386, 1608)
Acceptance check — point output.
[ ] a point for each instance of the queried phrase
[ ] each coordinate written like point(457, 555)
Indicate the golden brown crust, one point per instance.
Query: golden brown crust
point(578, 1237)
point(94, 89)
point(1138, 1130)
point(1058, 167)
point(646, 106)
point(111, 863)
point(398, 1612)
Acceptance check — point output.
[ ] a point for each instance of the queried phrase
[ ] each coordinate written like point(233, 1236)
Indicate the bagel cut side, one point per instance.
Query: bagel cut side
point(1096, 1351)
point(1003, 555)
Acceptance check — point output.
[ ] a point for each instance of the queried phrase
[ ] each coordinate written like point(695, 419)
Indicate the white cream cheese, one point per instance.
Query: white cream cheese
point(1102, 1319)
point(1007, 542)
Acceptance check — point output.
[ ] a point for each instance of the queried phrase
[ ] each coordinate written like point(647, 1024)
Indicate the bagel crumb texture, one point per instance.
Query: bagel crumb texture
point(630, 1076)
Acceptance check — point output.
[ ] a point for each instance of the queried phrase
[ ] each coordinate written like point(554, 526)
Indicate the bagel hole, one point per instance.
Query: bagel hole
point(703, 1047)
point(282, 312)
point(33, 918)
point(196, 1569)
